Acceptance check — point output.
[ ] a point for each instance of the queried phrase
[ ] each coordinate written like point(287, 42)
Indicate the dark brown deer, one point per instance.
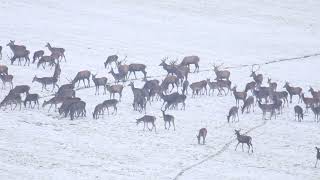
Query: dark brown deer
point(37, 55)
point(20, 89)
point(233, 112)
point(243, 139)
point(212, 86)
point(267, 108)
point(171, 79)
point(317, 156)
point(117, 76)
point(298, 113)
point(185, 86)
point(169, 68)
point(57, 51)
point(82, 75)
point(111, 103)
point(4, 69)
point(224, 84)
point(46, 59)
point(191, 60)
point(250, 86)
point(202, 133)
point(77, 109)
point(123, 69)
point(32, 98)
point(6, 79)
point(293, 91)
point(66, 93)
point(137, 67)
point(248, 104)
point(146, 119)
point(102, 81)
point(44, 81)
point(11, 98)
point(316, 112)
point(19, 51)
point(110, 59)
point(221, 74)
point(238, 95)
point(258, 78)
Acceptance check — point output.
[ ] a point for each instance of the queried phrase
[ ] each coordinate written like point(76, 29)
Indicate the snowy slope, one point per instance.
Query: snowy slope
point(36, 144)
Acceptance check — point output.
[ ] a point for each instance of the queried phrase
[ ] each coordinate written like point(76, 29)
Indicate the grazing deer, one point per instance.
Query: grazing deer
point(44, 81)
point(64, 87)
point(258, 78)
point(24, 54)
point(197, 87)
point(117, 76)
point(146, 119)
point(272, 85)
point(298, 112)
point(293, 91)
point(191, 60)
point(100, 82)
point(151, 87)
point(54, 101)
point(37, 55)
point(168, 119)
point(202, 133)
point(98, 110)
point(3, 69)
point(243, 139)
point(6, 79)
point(234, 113)
point(110, 59)
point(316, 112)
point(44, 60)
point(238, 95)
point(82, 75)
point(315, 94)
point(32, 98)
point(248, 103)
point(137, 67)
point(111, 103)
point(170, 79)
point(57, 51)
point(11, 98)
point(309, 101)
point(77, 109)
point(221, 74)
point(267, 108)
point(66, 104)
point(20, 89)
point(318, 156)
point(115, 89)
point(185, 86)
point(250, 86)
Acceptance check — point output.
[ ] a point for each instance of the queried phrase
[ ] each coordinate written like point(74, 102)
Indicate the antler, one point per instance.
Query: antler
point(164, 59)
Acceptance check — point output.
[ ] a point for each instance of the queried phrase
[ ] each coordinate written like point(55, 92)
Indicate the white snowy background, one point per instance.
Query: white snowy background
point(35, 144)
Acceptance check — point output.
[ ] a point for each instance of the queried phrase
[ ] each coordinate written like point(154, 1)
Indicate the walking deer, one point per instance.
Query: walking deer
point(191, 60)
point(136, 68)
point(44, 81)
point(168, 119)
point(44, 60)
point(32, 98)
point(202, 133)
point(243, 139)
point(293, 91)
point(146, 119)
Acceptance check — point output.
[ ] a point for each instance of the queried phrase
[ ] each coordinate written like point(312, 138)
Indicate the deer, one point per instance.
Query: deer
point(272, 85)
point(56, 50)
point(151, 87)
point(258, 78)
point(298, 113)
point(283, 95)
point(146, 119)
point(20, 89)
point(123, 69)
point(197, 87)
point(66, 104)
point(66, 93)
point(248, 103)
point(102, 81)
point(243, 139)
point(224, 84)
point(117, 76)
point(186, 61)
point(185, 86)
point(54, 101)
point(98, 110)
point(11, 98)
point(57, 71)
point(308, 101)
point(44, 60)
point(110, 59)
point(171, 79)
point(23, 54)
point(32, 98)
point(44, 81)
point(168, 99)
point(111, 103)
point(261, 94)
point(212, 86)
point(221, 74)
point(138, 92)
point(250, 86)
point(37, 55)
point(181, 98)
point(6, 79)
point(168, 119)
point(315, 94)
point(139, 103)
point(115, 89)
point(4, 69)
point(293, 91)
point(233, 112)
point(65, 86)
point(82, 75)
point(317, 156)
point(169, 68)
point(137, 67)
point(316, 112)
point(202, 133)
point(238, 95)
point(267, 108)
point(77, 109)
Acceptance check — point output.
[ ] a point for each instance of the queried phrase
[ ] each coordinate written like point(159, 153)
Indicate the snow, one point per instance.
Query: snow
point(37, 144)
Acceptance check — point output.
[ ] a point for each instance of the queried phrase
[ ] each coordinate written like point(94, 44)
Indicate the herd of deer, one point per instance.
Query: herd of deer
point(177, 78)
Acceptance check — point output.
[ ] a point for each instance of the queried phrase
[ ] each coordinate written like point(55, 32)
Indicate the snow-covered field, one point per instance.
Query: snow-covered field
point(35, 144)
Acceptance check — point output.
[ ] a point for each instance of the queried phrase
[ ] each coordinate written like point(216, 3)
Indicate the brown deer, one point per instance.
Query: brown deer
point(102, 81)
point(272, 85)
point(57, 51)
point(238, 95)
point(44, 81)
point(37, 55)
point(4, 69)
point(186, 61)
point(115, 89)
point(293, 91)
point(6, 79)
point(243, 139)
point(221, 74)
point(110, 59)
point(137, 67)
point(298, 113)
point(317, 156)
point(146, 119)
point(82, 75)
point(258, 78)
point(202, 133)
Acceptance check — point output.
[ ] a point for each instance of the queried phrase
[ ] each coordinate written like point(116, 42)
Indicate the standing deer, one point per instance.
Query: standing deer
point(298, 112)
point(293, 91)
point(191, 60)
point(110, 59)
point(250, 86)
point(4, 69)
point(82, 75)
point(55, 51)
point(6, 79)
point(111, 103)
point(170, 79)
point(239, 95)
point(234, 113)
point(100, 82)
point(115, 89)
point(117, 76)
point(258, 78)
point(272, 85)
point(46, 59)
point(37, 55)
point(197, 87)
point(316, 112)
point(267, 108)
point(57, 71)
point(221, 74)
point(137, 67)
point(243, 139)
point(77, 109)
point(185, 86)
point(248, 104)
point(146, 119)
point(202, 133)
point(168, 119)
point(212, 86)
point(169, 68)
point(19, 51)
point(224, 84)
point(317, 156)
point(308, 101)
point(32, 98)
point(315, 94)
point(44, 81)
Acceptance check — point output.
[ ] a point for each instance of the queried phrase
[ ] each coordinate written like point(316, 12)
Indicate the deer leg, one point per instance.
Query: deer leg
point(237, 146)
point(174, 126)
point(242, 146)
point(316, 163)
point(248, 147)
point(134, 74)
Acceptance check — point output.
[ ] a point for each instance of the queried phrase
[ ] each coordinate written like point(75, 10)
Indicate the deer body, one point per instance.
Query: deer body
point(202, 133)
